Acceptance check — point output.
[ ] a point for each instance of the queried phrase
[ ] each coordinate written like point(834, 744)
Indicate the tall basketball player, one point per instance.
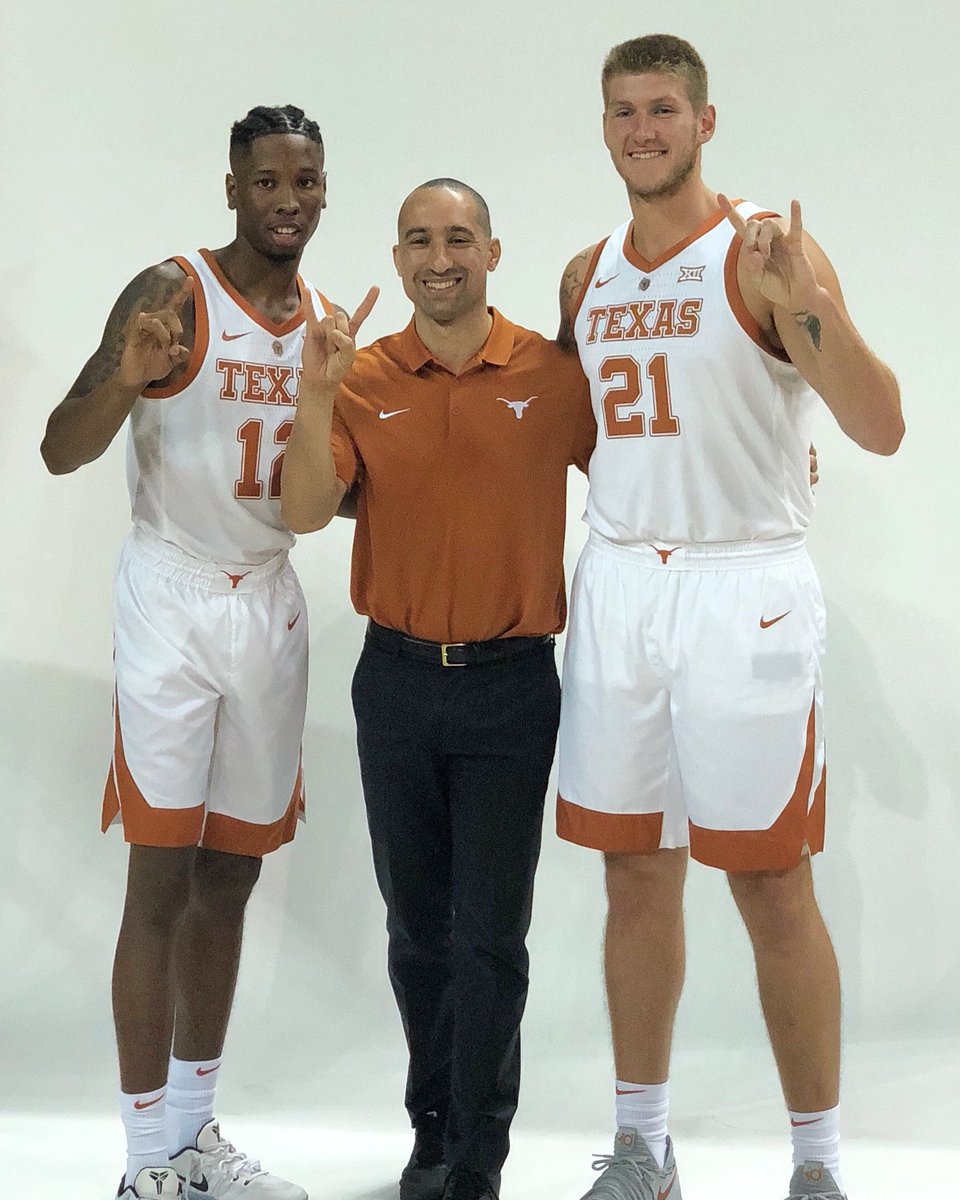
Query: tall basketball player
point(202, 352)
point(691, 718)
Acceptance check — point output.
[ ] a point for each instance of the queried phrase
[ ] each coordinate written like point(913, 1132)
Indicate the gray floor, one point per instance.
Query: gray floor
point(348, 1140)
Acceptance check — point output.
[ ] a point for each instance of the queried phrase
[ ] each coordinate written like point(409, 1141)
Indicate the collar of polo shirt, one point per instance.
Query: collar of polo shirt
point(495, 350)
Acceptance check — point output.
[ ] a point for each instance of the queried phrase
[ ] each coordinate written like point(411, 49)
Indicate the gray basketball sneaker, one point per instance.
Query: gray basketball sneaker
point(812, 1181)
point(632, 1173)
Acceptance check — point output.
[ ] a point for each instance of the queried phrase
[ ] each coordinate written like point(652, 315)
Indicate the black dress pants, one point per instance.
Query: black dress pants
point(455, 763)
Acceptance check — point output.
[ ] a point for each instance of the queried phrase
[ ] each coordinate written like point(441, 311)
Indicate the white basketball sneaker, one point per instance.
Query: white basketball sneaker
point(151, 1182)
point(632, 1173)
point(215, 1169)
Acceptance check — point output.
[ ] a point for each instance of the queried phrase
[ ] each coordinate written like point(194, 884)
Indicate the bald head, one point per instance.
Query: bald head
point(481, 211)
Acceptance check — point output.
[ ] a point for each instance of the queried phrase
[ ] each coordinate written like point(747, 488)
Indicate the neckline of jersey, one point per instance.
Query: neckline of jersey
point(651, 264)
point(254, 314)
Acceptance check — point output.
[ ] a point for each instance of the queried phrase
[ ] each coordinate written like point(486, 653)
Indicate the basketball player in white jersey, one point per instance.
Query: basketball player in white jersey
point(202, 352)
point(691, 718)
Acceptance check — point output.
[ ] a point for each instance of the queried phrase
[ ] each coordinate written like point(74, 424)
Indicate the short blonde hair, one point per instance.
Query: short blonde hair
point(658, 53)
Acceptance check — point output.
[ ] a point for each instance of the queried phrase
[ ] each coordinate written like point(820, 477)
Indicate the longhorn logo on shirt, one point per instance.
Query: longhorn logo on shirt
point(644, 319)
point(517, 406)
point(258, 383)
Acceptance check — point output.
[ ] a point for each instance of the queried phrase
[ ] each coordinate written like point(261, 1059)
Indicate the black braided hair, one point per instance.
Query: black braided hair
point(263, 120)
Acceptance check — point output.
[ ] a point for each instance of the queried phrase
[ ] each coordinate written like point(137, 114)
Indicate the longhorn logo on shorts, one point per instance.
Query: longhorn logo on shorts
point(517, 406)
point(235, 579)
point(664, 554)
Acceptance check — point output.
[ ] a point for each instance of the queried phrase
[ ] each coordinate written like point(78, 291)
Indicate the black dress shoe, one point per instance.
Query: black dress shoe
point(425, 1174)
point(464, 1184)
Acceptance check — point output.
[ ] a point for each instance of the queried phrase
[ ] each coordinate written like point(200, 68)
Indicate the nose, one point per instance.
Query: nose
point(440, 258)
point(643, 127)
point(287, 200)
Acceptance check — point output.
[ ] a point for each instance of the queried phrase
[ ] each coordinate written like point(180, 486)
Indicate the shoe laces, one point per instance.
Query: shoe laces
point(233, 1162)
point(615, 1186)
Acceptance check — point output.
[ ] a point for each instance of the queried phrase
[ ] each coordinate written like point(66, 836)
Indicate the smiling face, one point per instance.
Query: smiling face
point(444, 253)
point(278, 190)
point(653, 132)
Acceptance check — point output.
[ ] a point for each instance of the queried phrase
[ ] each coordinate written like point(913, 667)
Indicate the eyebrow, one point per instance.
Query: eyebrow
point(449, 229)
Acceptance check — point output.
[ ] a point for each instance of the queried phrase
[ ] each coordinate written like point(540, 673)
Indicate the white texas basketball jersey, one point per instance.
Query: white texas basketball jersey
point(204, 455)
point(702, 431)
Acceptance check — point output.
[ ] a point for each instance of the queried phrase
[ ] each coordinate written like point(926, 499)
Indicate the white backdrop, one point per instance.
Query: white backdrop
point(114, 123)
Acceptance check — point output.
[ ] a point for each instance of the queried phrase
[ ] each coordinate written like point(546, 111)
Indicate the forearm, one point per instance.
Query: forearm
point(81, 427)
point(310, 490)
point(860, 391)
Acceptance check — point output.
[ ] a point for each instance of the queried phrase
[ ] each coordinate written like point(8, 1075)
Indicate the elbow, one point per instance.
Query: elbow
point(300, 522)
point(54, 463)
point(886, 441)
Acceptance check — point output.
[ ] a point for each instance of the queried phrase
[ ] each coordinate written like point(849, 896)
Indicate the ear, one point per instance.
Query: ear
point(230, 184)
point(323, 185)
point(396, 259)
point(707, 124)
point(493, 254)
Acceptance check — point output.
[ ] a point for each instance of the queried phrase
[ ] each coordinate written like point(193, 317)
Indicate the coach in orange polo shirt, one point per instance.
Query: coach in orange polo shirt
point(458, 433)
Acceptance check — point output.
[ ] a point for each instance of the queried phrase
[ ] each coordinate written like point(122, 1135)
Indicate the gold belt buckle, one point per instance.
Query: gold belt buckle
point(444, 647)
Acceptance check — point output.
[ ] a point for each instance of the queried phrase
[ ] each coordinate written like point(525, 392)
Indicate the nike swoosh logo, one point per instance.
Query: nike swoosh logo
point(603, 282)
point(662, 1195)
point(797, 1124)
point(290, 625)
point(149, 1104)
point(766, 624)
point(630, 1091)
point(210, 1070)
point(232, 337)
point(396, 413)
point(202, 1186)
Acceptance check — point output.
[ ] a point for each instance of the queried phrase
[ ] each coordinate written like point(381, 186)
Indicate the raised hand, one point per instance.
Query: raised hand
point(774, 257)
point(330, 344)
point(152, 341)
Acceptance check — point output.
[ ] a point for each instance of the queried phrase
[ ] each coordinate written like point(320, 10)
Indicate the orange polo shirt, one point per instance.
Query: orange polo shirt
point(462, 498)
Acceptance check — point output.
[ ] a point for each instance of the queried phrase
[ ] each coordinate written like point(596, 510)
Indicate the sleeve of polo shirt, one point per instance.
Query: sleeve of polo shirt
point(583, 422)
point(346, 456)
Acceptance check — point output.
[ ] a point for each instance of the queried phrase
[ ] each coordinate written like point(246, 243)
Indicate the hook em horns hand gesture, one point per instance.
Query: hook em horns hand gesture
point(152, 341)
point(330, 345)
point(774, 257)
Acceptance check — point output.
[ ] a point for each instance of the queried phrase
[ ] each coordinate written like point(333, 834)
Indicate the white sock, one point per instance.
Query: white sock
point(191, 1088)
point(643, 1107)
point(816, 1138)
point(142, 1114)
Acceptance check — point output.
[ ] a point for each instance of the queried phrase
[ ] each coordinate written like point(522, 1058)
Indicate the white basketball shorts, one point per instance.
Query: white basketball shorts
point(691, 708)
point(211, 687)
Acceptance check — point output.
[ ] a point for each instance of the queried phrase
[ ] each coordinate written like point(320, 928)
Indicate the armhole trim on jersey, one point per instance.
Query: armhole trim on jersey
point(745, 318)
point(591, 271)
point(201, 338)
point(328, 308)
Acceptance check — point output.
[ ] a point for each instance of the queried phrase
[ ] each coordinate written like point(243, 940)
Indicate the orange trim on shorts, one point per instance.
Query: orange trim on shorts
point(798, 830)
point(731, 283)
point(201, 338)
point(616, 833)
point(143, 825)
point(234, 836)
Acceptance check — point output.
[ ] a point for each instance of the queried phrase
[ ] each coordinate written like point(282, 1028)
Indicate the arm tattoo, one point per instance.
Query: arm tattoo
point(811, 324)
point(149, 291)
point(570, 287)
